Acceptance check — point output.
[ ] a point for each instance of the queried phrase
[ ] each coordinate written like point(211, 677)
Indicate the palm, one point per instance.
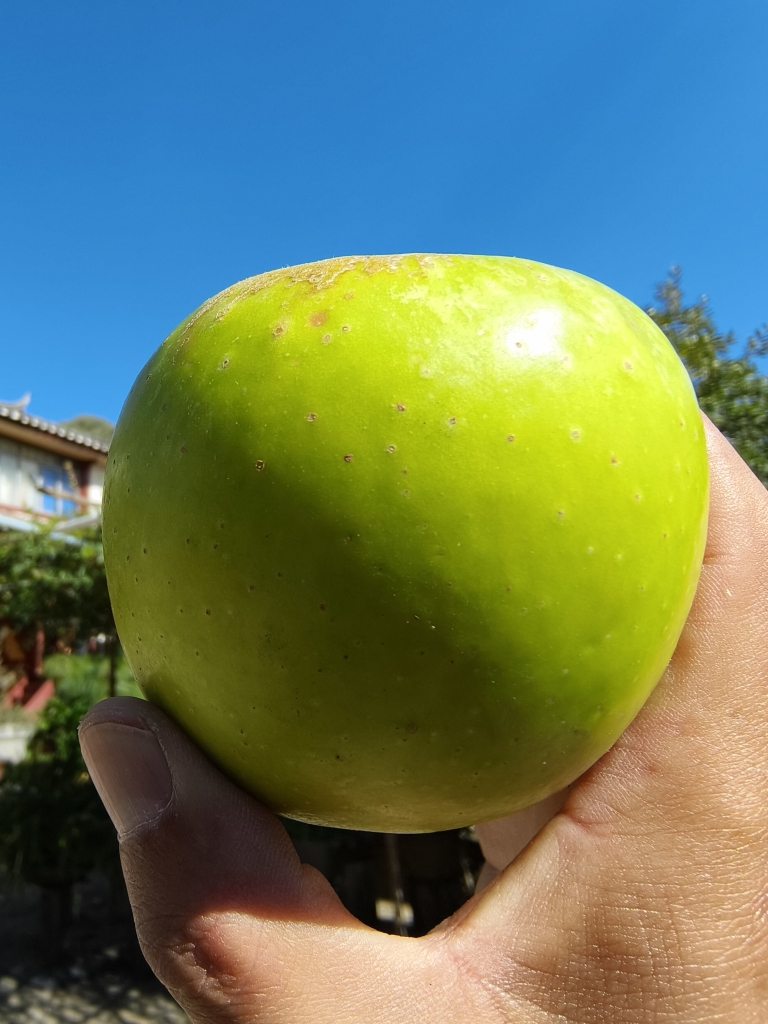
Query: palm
point(642, 900)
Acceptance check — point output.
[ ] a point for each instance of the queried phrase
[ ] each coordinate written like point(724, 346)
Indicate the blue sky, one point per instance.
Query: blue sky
point(153, 153)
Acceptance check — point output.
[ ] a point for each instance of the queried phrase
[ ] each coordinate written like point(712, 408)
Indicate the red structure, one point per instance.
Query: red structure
point(21, 665)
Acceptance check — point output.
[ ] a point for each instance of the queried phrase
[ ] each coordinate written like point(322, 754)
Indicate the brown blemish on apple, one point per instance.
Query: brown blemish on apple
point(348, 457)
point(400, 407)
point(278, 330)
point(510, 437)
point(259, 465)
point(311, 417)
point(314, 276)
point(318, 319)
point(391, 448)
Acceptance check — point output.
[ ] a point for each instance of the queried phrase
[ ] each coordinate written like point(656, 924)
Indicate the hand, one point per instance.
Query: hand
point(644, 899)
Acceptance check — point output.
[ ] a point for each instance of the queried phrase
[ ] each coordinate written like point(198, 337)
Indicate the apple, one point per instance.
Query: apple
point(405, 542)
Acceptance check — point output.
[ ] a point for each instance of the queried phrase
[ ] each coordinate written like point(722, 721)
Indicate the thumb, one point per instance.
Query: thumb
point(204, 863)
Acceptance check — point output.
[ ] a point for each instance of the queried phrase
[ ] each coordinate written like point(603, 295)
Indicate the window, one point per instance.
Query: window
point(55, 478)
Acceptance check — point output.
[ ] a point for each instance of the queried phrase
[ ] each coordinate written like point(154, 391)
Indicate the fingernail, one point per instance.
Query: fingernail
point(130, 772)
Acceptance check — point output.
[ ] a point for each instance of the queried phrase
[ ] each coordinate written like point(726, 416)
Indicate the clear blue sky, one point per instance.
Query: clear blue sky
point(153, 153)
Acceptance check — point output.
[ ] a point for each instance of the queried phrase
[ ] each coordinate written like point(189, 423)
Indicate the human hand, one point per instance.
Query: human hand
point(644, 899)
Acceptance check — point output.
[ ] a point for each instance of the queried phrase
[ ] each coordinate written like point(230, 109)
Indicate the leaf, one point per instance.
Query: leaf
point(730, 388)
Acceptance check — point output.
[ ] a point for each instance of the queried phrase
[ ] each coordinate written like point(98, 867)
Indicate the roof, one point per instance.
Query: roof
point(25, 526)
point(20, 426)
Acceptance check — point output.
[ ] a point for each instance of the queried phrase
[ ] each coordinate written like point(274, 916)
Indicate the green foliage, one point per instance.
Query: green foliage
point(46, 579)
point(86, 677)
point(53, 827)
point(731, 389)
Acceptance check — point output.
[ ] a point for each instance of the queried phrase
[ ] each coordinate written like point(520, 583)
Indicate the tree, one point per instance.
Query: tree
point(731, 389)
point(59, 584)
point(54, 580)
point(53, 827)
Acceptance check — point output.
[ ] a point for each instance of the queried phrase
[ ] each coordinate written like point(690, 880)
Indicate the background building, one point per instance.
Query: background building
point(48, 470)
point(49, 473)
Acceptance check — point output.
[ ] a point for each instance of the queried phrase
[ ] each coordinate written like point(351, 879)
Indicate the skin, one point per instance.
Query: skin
point(642, 900)
point(405, 542)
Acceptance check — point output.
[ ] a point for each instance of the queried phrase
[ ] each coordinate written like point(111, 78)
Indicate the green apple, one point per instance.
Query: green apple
point(405, 542)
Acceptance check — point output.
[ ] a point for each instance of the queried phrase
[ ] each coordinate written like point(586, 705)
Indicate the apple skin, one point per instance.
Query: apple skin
point(405, 542)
